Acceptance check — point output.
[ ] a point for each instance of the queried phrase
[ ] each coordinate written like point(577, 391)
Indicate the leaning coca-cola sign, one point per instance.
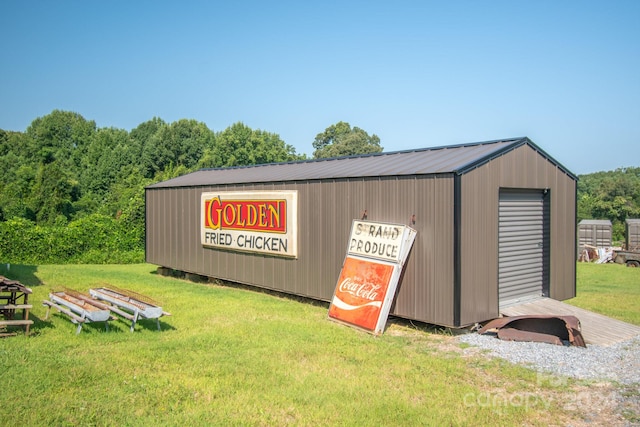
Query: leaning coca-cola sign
point(364, 293)
point(360, 292)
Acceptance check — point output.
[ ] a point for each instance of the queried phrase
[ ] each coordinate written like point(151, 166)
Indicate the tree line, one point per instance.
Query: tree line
point(73, 192)
point(612, 195)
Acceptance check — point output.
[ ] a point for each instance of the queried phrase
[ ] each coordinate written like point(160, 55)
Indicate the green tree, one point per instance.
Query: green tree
point(126, 202)
point(180, 144)
point(144, 131)
point(50, 161)
point(64, 176)
point(143, 135)
point(613, 195)
point(239, 145)
point(17, 177)
point(16, 192)
point(17, 174)
point(341, 140)
point(108, 153)
point(62, 136)
point(53, 194)
point(4, 143)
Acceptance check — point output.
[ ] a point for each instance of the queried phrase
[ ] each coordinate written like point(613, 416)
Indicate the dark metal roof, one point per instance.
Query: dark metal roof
point(457, 159)
point(595, 222)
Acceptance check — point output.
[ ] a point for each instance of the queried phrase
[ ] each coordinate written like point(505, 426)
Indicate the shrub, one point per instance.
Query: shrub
point(94, 239)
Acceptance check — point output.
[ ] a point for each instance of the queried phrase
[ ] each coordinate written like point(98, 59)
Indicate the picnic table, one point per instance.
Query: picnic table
point(14, 305)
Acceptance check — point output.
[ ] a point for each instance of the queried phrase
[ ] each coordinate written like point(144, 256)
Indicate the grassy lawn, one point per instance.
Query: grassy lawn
point(231, 356)
point(609, 289)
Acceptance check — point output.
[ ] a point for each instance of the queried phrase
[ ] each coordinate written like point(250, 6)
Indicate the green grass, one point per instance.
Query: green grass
point(232, 356)
point(609, 289)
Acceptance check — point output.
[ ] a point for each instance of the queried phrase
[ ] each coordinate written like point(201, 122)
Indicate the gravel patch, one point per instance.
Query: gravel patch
point(613, 399)
point(619, 362)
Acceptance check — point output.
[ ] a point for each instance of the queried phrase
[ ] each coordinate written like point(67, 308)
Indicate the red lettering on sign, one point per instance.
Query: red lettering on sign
point(269, 216)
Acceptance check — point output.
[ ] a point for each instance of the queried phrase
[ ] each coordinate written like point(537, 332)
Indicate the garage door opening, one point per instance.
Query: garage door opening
point(523, 246)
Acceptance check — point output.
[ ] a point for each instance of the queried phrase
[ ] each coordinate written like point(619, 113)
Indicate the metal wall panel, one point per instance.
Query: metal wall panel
point(426, 291)
point(522, 168)
point(632, 234)
point(432, 290)
point(326, 209)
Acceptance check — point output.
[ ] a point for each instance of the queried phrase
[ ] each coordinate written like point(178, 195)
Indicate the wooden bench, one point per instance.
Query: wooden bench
point(15, 306)
point(5, 323)
point(13, 297)
point(8, 310)
point(16, 322)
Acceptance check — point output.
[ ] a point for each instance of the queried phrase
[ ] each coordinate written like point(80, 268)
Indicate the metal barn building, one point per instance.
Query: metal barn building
point(495, 222)
point(596, 233)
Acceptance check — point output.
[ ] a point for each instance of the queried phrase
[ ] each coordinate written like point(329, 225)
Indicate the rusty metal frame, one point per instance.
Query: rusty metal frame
point(537, 328)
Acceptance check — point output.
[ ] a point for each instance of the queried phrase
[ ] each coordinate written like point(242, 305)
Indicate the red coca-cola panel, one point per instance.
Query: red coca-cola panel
point(360, 292)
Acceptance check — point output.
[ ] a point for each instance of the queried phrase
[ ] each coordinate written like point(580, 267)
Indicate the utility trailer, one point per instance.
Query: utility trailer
point(631, 259)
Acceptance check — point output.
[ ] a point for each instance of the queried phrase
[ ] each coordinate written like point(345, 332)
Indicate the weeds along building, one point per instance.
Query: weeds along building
point(495, 222)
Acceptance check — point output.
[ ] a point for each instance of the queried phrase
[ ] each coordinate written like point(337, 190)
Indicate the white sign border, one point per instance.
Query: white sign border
point(231, 236)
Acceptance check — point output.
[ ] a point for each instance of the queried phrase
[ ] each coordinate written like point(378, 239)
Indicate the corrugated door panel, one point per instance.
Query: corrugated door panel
point(520, 246)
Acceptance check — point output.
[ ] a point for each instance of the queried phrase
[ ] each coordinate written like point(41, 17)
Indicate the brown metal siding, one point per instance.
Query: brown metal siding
point(521, 168)
point(563, 237)
point(431, 289)
point(426, 291)
point(325, 212)
point(478, 245)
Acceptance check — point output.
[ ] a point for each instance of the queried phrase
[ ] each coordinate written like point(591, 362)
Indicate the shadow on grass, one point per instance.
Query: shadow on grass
point(211, 281)
point(25, 274)
point(34, 329)
point(116, 325)
point(392, 320)
point(425, 327)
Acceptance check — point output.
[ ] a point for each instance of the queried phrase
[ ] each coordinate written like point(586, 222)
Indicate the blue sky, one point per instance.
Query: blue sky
point(415, 73)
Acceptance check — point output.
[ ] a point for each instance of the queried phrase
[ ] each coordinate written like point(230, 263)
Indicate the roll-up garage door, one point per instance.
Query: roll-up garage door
point(522, 243)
